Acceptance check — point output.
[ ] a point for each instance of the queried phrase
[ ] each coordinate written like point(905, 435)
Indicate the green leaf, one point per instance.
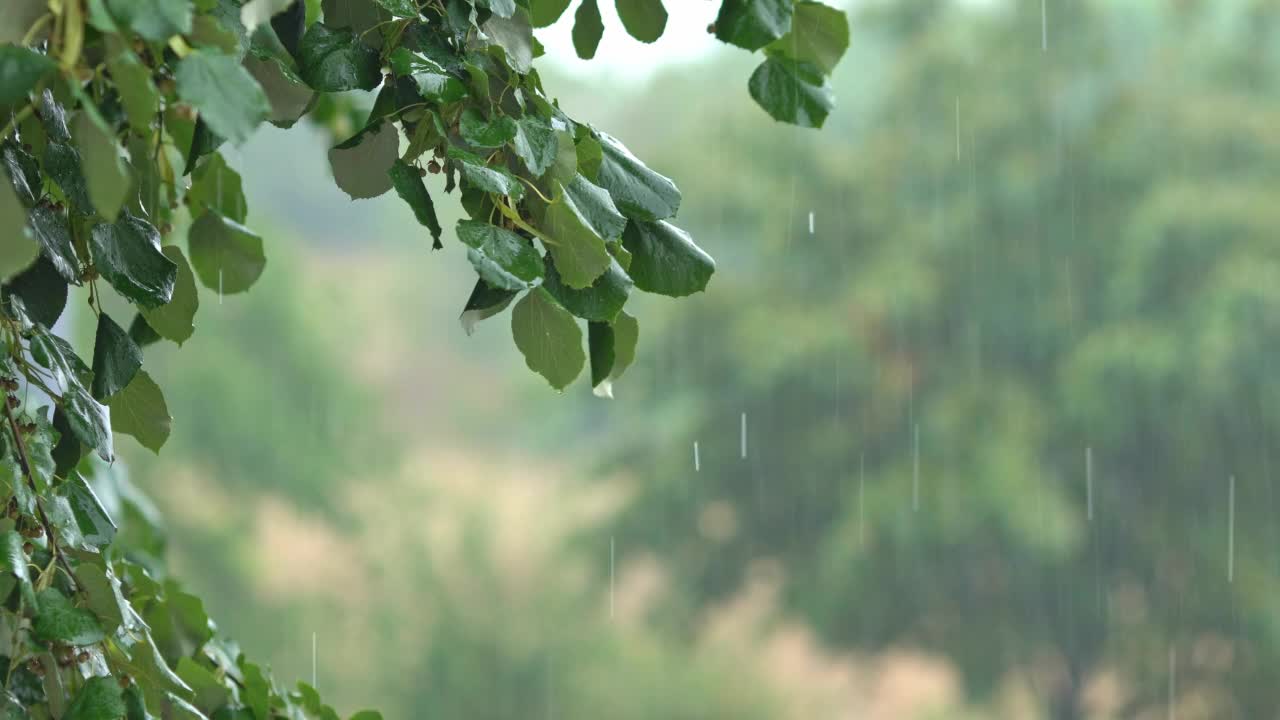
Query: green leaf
point(104, 170)
point(209, 693)
point(53, 232)
point(601, 302)
point(482, 133)
point(226, 255)
point(90, 420)
point(665, 260)
point(409, 186)
point(361, 165)
point(514, 34)
point(24, 172)
point(546, 12)
point(335, 61)
point(116, 359)
point(12, 558)
point(59, 620)
point(792, 92)
point(42, 290)
point(175, 320)
point(578, 250)
point(288, 96)
point(18, 251)
point(156, 20)
point(133, 82)
point(103, 596)
point(752, 24)
point(502, 258)
point(587, 29)
point(535, 144)
point(597, 208)
point(639, 193)
point(483, 303)
point(62, 163)
point(140, 411)
point(548, 337)
point(100, 698)
point(489, 179)
point(20, 70)
point(227, 96)
point(367, 715)
point(819, 35)
point(645, 20)
point(127, 253)
point(96, 526)
point(215, 186)
point(433, 81)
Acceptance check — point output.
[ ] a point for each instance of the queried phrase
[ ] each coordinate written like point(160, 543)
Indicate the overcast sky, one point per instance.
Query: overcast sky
point(622, 56)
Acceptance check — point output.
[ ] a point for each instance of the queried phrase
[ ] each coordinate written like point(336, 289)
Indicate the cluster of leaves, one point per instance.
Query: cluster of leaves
point(114, 112)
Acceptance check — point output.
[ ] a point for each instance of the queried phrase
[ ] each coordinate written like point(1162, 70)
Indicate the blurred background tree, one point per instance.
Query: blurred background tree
point(1002, 337)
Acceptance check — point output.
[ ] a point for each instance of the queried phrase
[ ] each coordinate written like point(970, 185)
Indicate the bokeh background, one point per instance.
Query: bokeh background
point(983, 396)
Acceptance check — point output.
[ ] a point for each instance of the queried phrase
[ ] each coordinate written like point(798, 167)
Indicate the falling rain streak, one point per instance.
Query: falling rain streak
point(957, 128)
point(697, 461)
point(1088, 482)
point(1231, 528)
point(1044, 25)
point(1173, 681)
point(810, 222)
point(862, 486)
point(742, 437)
point(610, 577)
point(915, 467)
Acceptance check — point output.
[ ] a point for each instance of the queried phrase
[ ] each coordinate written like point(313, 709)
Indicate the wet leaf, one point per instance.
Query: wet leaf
point(226, 255)
point(548, 337)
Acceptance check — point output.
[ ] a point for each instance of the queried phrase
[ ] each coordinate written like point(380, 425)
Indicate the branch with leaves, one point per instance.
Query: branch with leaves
point(114, 112)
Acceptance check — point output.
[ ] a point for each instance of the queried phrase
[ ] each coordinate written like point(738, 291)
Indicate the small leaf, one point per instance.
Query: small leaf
point(24, 172)
point(127, 253)
point(514, 34)
point(104, 171)
point(116, 358)
point(640, 193)
point(548, 337)
point(335, 61)
point(601, 301)
point(482, 133)
point(665, 260)
point(819, 35)
point(100, 698)
point(62, 163)
point(20, 70)
point(140, 411)
point(361, 165)
point(175, 320)
point(58, 620)
point(226, 255)
point(489, 179)
point(792, 92)
point(89, 420)
point(215, 186)
point(288, 96)
point(535, 144)
point(103, 596)
point(42, 290)
point(133, 82)
point(579, 252)
point(409, 186)
point(752, 24)
point(645, 20)
point(230, 101)
point(587, 29)
point(502, 258)
point(53, 232)
point(546, 12)
point(483, 303)
point(96, 527)
point(156, 20)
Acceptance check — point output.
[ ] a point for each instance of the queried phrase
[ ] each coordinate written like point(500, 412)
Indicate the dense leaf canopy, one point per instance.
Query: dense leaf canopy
point(114, 112)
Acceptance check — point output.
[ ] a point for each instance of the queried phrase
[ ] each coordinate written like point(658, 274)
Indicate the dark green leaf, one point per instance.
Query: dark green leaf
point(209, 693)
point(601, 302)
point(645, 20)
point(819, 35)
point(59, 620)
point(103, 596)
point(514, 34)
point(578, 250)
point(482, 133)
point(489, 179)
point(175, 320)
point(215, 186)
point(483, 303)
point(335, 60)
point(597, 208)
point(127, 253)
point(116, 359)
point(792, 92)
point(24, 173)
point(142, 333)
point(752, 24)
point(361, 165)
point(140, 410)
point(502, 258)
point(665, 260)
point(546, 12)
point(409, 186)
point(227, 96)
point(587, 29)
point(42, 290)
point(89, 420)
point(548, 337)
point(20, 70)
point(96, 526)
point(62, 163)
point(100, 698)
point(535, 144)
point(640, 193)
point(53, 232)
point(156, 20)
point(227, 256)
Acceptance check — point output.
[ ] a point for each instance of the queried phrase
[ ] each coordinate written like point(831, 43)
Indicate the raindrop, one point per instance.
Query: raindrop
point(1088, 482)
point(1173, 680)
point(743, 437)
point(1231, 528)
point(915, 467)
point(810, 222)
point(862, 486)
point(1044, 25)
point(697, 461)
point(611, 584)
point(957, 128)
point(219, 286)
